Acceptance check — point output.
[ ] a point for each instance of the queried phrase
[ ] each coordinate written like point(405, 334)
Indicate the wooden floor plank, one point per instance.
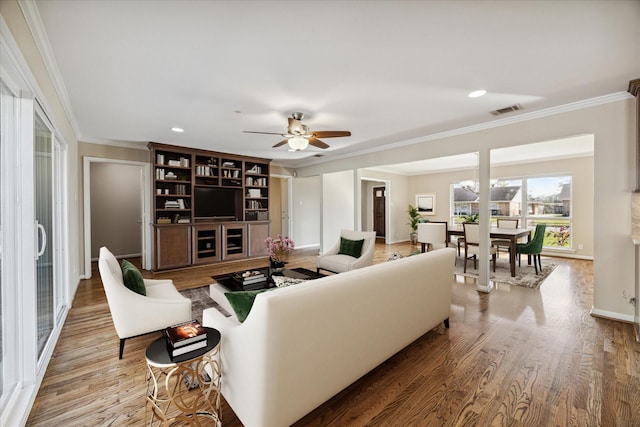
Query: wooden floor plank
point(514, 357)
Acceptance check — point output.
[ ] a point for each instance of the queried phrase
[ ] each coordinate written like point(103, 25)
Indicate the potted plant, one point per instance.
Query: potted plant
point(414, 219)
point(279, 250)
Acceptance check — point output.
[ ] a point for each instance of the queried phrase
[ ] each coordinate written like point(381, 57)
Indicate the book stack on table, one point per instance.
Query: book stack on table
point(250, 279)
point(185, 337)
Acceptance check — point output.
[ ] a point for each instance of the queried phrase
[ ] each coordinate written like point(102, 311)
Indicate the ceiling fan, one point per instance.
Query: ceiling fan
point(299, 136)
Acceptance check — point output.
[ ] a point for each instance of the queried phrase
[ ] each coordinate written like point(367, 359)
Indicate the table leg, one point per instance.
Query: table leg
point(512, 257)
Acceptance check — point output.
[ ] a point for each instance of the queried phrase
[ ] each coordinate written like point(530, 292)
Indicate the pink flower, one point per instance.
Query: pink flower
point(279, 248)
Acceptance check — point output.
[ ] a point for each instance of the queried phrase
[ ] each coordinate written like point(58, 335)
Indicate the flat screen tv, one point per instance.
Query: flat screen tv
point(215, 203)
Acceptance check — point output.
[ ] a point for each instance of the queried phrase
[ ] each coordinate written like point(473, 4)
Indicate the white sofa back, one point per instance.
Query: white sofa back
point(302, 344)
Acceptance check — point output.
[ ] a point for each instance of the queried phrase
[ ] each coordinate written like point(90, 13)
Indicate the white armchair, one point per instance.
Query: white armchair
point(134, 314)
point(336, 262)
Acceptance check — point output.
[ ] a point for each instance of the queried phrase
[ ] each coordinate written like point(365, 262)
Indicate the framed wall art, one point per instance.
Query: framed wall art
point(426, 203)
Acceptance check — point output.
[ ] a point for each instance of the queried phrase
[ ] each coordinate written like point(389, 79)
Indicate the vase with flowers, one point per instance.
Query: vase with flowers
point(279, 250)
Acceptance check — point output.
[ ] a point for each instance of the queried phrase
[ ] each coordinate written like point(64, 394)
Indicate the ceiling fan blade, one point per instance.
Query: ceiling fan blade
point(317, 143)
point(265, 133)
point(330, 133)
point(284, 141)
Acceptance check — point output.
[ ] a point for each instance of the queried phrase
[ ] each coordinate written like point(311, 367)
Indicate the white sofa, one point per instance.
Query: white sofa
point(300, 345)
point(134, 314)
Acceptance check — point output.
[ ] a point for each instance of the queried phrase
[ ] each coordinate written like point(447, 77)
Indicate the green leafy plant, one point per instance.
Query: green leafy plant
point(414, 218)
point(471, 218)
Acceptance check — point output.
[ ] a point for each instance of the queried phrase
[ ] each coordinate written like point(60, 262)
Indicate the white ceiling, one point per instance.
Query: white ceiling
point(577, 146)
point(388, 71)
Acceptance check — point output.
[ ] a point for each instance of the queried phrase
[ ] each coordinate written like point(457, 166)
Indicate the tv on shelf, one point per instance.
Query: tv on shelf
point(216, 203)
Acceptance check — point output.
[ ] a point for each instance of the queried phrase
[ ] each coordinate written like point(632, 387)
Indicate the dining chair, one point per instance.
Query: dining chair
point(433, 235)
point(498, 243)
point(533, 247)
point(472, 245)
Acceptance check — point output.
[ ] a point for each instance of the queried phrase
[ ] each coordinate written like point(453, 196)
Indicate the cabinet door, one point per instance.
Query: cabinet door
point(258, 232)
point(173, 246)
point(206, 243)
point(234, 241)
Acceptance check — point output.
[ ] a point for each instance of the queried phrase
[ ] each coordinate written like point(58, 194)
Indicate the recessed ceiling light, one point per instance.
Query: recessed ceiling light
point(177, 130)
point(477, 93)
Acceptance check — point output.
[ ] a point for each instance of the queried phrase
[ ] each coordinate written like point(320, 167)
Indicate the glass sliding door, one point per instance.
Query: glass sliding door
point(43, 194)
point(8, 333)
point(5, 116)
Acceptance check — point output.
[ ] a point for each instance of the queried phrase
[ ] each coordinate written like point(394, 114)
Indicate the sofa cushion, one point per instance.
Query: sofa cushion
point(132, 278)
point(351, 247)
point(242, 301)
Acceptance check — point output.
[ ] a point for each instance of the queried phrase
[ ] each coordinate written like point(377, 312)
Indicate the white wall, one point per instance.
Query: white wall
point(338, 206)
point(611, 120)
point(305, 215)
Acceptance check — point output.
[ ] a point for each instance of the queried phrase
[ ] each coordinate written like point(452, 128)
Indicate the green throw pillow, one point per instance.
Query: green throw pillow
point(242, 301)
point(132, 278)
point(351, 247)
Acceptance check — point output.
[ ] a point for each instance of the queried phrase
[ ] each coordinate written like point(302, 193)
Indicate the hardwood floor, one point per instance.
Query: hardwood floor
point(514, 357)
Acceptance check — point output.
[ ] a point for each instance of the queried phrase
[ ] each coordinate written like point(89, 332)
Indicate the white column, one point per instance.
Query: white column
point(484, 168)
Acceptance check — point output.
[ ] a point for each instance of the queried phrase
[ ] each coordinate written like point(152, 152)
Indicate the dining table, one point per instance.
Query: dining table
point(512, 235)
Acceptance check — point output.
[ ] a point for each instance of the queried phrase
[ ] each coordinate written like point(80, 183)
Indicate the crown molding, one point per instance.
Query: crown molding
point(34, 22)
point(547, 112)
point(136, 145)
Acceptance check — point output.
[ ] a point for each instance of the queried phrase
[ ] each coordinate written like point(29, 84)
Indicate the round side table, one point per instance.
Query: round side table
point(185, 388)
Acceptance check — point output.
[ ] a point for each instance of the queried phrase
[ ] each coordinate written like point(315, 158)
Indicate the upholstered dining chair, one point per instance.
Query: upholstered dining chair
point(472, 245)
point(433, 235)
point(345, 256)
point(133, 312)
point(533, 247)
point(504, 223)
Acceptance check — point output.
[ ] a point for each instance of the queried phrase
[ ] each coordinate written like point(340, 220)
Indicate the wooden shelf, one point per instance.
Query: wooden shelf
point(208, 169)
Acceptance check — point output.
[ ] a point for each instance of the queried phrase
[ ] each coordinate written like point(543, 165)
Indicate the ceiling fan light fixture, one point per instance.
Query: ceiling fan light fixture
point(298, 143)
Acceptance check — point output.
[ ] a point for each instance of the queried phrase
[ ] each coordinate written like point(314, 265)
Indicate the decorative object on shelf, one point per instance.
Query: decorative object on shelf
point(279, 250)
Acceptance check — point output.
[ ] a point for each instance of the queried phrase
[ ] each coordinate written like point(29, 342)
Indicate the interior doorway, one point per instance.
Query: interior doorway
point(280, 188)
point(108, 181)
point(379, 197)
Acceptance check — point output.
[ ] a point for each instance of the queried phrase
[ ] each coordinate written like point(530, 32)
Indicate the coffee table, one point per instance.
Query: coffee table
point(224, 283)
point(231, 285)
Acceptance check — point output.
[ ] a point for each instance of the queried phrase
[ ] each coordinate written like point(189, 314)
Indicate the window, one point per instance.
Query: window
point(548, 200)
point(464, 197)
point(506, 199)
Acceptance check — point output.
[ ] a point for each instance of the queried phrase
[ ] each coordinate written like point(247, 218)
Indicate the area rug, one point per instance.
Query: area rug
point(525, 274)
point(200, 300)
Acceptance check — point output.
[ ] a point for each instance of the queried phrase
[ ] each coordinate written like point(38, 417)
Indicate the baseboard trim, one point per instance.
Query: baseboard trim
point(611, 315)
point(313, 245)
